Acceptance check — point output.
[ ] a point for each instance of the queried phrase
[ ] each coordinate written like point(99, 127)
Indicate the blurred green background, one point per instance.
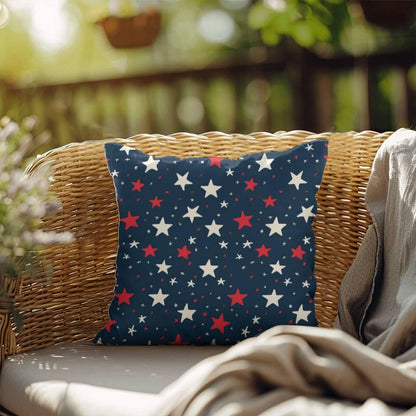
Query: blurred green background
point(229, 65)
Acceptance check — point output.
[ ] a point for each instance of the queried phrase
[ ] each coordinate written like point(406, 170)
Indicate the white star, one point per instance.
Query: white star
point(214, 228)
point(223, 244)
point(158, 297)
point(306, 213)
point(256, 320)
point(183, 180)
point(245, 331)
point(192, 213)
point(186, 313)
point(132, 330)
point(126, 149)
point(192, 240)
point(305, 283)
point(309, 147)
point(306, 240)
point(163, 267)
point(151, 164)
point(114, 173)
point(221, 281)
point(142, 319)
point(273, 298)
point(162, 227)
point(173, 281)
point(247, 244)
point(211, 189)
point(264, 163)
point(276, 227)
point(191, 283)
point(224, 204)
point(287, 282)
point(230, 172)
point(134, 244)
point(277, 268)
point(126, 256)
point(296, 180)
point(238, 257)
point(209, 269)
point(301, 315)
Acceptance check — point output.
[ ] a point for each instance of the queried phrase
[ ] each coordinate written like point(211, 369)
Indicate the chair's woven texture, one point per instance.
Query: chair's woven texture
point(71, 302)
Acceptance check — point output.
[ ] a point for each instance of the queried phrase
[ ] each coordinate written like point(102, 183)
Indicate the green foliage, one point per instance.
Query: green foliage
point(307, 22)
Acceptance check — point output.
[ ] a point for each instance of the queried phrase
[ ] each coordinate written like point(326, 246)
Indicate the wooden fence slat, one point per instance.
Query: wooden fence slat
point(240, 96)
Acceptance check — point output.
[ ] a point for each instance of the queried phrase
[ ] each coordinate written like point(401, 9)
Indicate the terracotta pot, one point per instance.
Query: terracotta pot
point(133, 31)
point(389, 13)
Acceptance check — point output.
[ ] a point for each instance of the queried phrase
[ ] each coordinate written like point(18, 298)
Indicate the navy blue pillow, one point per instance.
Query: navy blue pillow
point(211, 250)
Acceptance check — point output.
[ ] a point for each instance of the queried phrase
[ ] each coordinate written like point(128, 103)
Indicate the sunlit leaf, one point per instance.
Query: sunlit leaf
point(281, 23)
point(270, 37)
point(303, 34)
point(259, 16)
point(320, 10)
point(321, 31)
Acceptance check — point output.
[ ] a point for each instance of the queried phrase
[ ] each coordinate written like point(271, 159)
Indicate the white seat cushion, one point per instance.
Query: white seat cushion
point(86, 379)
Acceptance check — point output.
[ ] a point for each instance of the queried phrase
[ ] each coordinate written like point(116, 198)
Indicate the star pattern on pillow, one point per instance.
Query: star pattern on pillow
point(212, 250)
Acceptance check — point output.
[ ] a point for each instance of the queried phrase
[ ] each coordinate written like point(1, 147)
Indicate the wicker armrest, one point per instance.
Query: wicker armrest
point(7, 335)
point(70, 303)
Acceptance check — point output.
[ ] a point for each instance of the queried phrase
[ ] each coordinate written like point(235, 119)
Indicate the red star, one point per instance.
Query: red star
point(215, 161)
point(178, 341)
point(108, 325)
point(129, 221)
point(124, 297)
point(155, 202)
point(183, 252)
point(137, 186)
point(149, 251)
point(250, 184)
point(269, 201)
point(243, 220)
point(237, 298)
point(263, 251)
point(219, 323)
point(298, 252)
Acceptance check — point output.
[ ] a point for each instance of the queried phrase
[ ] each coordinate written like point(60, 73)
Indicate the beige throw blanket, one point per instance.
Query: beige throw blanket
point(377, 300)
point(315, 371)
point(293, 371)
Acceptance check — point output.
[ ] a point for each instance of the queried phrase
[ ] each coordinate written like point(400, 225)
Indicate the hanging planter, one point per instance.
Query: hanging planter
point(132, 31)
point(389, 13)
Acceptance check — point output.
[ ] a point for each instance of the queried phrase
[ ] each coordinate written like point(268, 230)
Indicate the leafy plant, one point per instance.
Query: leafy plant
point(24, 201)
point(306, 21)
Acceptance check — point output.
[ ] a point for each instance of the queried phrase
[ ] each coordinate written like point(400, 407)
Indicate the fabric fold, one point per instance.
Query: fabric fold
point(287, 362)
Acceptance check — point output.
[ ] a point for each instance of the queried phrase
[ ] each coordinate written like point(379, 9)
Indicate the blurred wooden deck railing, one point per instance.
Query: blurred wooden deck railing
point(295, 89)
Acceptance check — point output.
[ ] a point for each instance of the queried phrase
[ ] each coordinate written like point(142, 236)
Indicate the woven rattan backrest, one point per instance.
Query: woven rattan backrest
point(72, 302)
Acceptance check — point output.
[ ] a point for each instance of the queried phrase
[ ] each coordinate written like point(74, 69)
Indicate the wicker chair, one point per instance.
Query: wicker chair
point(71, 303)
